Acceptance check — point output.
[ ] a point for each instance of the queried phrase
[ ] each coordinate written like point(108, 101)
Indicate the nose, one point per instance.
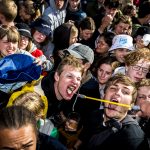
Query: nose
point(10, 44)
point(139, 71)
point(103, 74)
point(75, 81)
point(118, 91)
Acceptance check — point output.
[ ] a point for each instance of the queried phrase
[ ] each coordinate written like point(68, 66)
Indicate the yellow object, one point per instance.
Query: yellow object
point(107, 101)
point(29, 87)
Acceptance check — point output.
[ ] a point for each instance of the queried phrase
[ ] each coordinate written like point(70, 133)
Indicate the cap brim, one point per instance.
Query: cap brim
point(75, 54)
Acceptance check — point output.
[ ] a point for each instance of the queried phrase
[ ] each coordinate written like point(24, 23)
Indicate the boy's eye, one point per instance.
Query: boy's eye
point(125, 92)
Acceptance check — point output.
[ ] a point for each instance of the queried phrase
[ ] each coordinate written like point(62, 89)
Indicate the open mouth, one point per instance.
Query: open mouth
point(71, 89)
point(113, 106)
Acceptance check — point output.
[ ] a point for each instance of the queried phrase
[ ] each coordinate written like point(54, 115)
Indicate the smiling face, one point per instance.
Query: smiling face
point(135, 74)
point(104, 73)
point(24, 41)
point(22, 138)
point(119, 93)
point(120, 53)
point(6, 47)
point(67, 83)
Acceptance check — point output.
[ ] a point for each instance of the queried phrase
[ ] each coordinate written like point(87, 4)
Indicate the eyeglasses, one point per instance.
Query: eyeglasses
point(137, 68)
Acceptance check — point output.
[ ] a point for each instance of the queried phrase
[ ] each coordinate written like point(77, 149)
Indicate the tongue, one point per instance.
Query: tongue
point(111, 106)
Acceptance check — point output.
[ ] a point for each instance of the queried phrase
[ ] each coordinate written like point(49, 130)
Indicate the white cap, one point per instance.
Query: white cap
point(146, 39)
point(122, 41)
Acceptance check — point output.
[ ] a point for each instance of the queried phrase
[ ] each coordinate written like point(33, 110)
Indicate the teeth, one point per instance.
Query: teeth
point(114, 100)
point(70, 89)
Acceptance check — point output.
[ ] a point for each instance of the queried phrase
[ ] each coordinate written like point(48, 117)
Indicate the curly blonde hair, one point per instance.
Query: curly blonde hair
point(133, 57)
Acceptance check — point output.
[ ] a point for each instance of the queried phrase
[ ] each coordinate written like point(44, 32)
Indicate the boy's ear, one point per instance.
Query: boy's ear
point(56, 76)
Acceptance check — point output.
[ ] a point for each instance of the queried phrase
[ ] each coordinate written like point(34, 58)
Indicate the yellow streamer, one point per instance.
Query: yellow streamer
point(107, 101)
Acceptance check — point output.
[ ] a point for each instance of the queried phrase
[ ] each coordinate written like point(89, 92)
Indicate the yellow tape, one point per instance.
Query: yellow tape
point(107, 101)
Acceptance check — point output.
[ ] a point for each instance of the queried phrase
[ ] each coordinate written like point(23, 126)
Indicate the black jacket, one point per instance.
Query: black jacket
point(126, 136)
point(55, 106)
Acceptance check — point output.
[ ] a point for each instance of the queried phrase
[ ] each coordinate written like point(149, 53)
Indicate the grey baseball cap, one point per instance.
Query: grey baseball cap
point(82, 52)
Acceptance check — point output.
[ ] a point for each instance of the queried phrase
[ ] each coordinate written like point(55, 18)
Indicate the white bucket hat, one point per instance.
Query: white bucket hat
point(146, 39)
point(122, 41)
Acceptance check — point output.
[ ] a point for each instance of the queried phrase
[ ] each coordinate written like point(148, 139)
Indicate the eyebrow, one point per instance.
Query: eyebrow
point(123, 86)
point(24, 145)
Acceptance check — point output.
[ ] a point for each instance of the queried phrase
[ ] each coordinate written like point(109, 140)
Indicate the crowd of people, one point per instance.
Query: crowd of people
point(75, 74)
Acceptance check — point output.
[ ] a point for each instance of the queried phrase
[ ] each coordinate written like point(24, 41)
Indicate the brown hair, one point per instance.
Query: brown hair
point(11, 33)
point(87, 23)
point(8, 8)
point(124, 19)
point(120, 78)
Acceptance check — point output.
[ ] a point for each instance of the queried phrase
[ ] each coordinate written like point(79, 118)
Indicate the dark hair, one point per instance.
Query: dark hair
point(144, 9)
point(112, 3)
point(87, 23)
point(108, 37)
point(128, 9)
point(15, 117)
point(107, 60)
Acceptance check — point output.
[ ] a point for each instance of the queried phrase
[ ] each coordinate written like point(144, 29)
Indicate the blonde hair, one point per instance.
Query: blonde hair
point(144, 82)
point(71, 61)
point(31, 100)
point(133, 57)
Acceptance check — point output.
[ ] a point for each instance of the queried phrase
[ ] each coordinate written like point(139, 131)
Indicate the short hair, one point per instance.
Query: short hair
point(11, 33)
point(144, 82)
point(110, 61)
point(31, 100)
point(108, 37)
point(15, 117)
point(30, 9)
point(112, 3)
point(123, 79)
point(8, 8)
point(71, 61)
point(128, 9)
point(87, 23)
point(124, 19)
point(133, 57)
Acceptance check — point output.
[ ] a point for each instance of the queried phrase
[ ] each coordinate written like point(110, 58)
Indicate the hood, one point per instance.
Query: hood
point(61, 36)
point(53, 5)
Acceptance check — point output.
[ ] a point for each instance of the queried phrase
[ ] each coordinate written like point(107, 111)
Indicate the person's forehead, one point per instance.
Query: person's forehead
point(87, 31)
point(123, 85)
point(69, 68)
point(21, 136)
point(143, 62)
point(144, 89)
